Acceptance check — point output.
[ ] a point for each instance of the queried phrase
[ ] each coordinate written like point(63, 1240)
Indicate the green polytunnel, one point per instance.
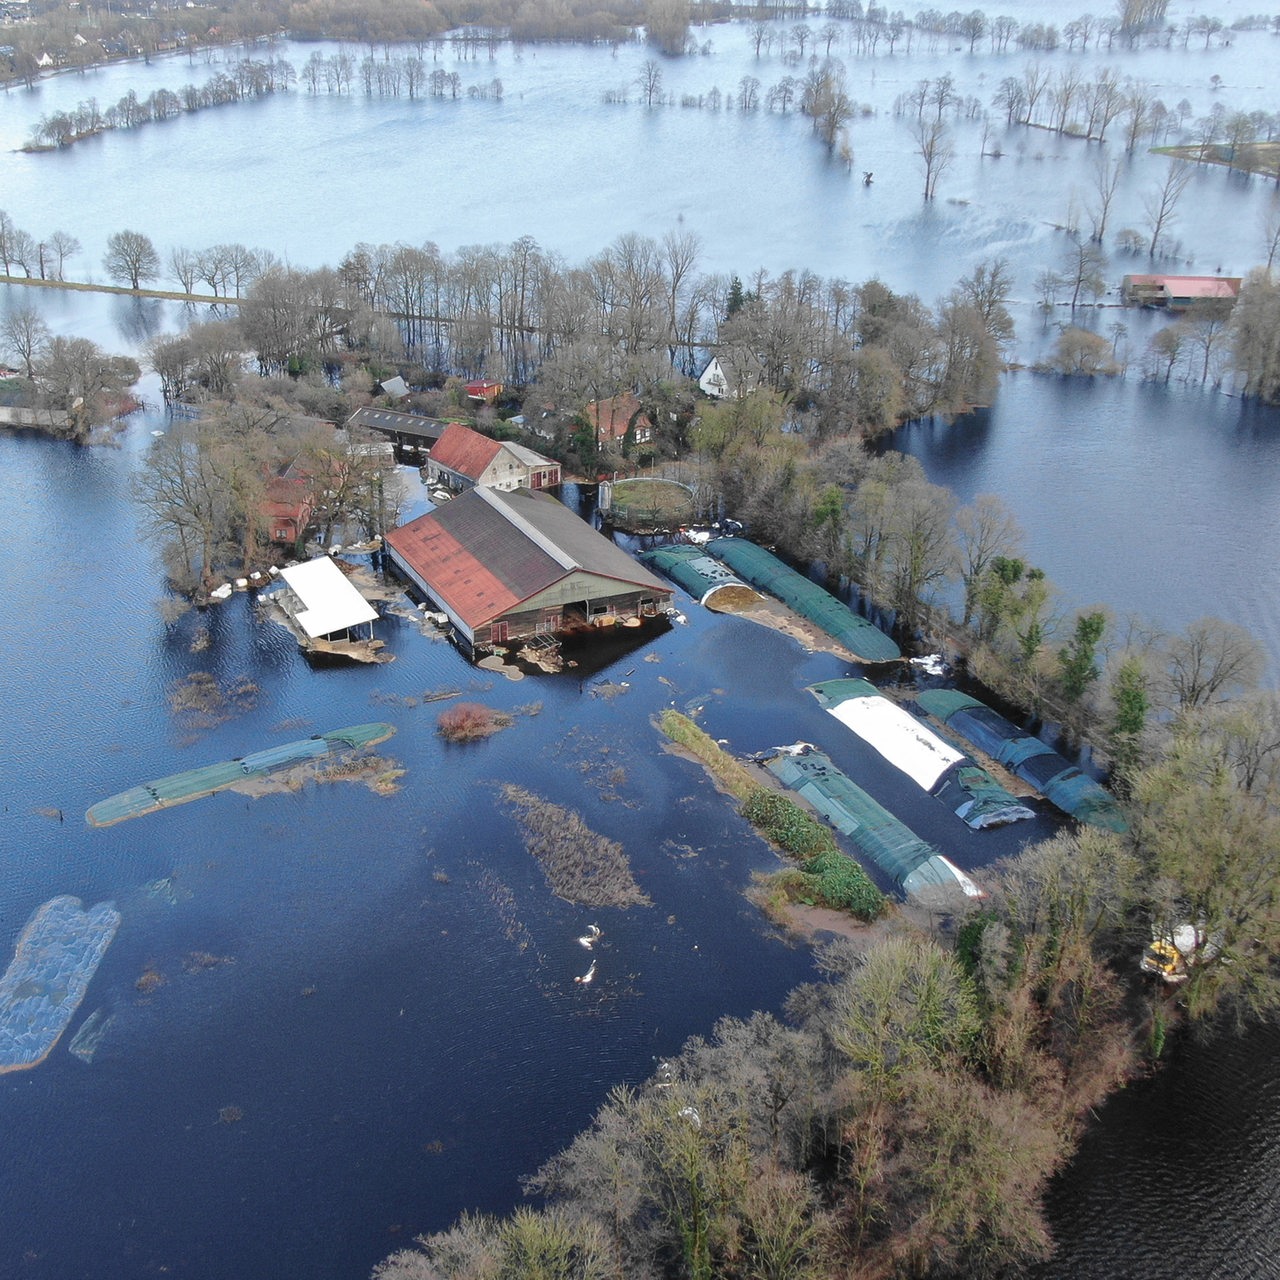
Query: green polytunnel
point(763, 570)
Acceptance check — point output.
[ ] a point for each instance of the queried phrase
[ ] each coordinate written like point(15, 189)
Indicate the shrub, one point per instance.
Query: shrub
point(469, 721)
point(787, 825)
point(843, 884)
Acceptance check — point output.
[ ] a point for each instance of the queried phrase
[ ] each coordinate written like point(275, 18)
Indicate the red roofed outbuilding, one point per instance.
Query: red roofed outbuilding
point(463, 458)
point(484, 391)
point(1179, 293)
point(506, 566)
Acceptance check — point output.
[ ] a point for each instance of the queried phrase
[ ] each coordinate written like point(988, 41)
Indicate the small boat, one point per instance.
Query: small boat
point(588, 939)
point(588, 976)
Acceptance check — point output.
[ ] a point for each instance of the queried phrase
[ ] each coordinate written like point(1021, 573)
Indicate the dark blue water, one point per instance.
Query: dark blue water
point(397, 1020)
point(1154, 501)
point(443, 1050)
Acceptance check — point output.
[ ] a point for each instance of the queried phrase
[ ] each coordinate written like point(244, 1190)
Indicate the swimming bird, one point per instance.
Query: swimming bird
point(588, 976)
point(588, 939)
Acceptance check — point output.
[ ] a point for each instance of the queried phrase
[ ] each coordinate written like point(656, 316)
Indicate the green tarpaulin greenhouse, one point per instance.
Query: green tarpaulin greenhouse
point(912, 864)
point(763, 570)
point(1023, 754)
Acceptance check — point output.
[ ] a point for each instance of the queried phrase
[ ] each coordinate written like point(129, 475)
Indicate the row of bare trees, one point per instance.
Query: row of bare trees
point(244, 79)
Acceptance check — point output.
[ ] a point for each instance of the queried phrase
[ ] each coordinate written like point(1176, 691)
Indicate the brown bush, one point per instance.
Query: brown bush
point(468, 721)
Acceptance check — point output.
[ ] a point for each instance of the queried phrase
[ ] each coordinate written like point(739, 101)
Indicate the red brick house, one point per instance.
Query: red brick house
point(611, 418)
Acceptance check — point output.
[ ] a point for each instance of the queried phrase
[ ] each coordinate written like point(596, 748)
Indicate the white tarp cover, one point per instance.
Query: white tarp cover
point(329, 602)
point(899, 737)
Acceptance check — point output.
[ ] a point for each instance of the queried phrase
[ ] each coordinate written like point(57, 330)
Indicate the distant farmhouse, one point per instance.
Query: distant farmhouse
point(1179, 293)
point(462, 459)
point(726, 378)
point(512, 565)
point(611, 419)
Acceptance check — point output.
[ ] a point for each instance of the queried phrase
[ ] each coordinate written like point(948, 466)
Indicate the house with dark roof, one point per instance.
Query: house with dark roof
point(462, 459)
point(730, 376)
point(412, 430)
point(510, 565)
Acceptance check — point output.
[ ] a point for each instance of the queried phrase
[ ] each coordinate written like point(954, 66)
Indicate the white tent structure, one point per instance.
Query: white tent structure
point(318, 599)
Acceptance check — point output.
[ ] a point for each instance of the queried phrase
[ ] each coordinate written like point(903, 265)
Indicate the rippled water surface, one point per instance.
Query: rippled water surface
point(398, 1025)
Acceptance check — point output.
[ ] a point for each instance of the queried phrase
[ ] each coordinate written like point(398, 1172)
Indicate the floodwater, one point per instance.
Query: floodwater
point(395, 1022)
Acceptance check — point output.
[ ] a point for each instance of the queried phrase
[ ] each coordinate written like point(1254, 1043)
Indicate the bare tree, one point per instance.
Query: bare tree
point(1209, 662)
point(1082, 270)
point(1271, 232)
point(1161, 205)
point(650, 81)
point(24, 334)
point(62, 246)
point(1106, 177)
point(131, 257)
point(986, 529)
point(935, 150)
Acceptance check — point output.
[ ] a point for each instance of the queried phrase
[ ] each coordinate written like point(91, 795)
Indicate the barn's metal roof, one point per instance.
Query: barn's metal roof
point(487, 551)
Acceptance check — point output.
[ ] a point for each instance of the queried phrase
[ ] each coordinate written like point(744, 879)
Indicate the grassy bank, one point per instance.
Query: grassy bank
point(825, 876)
point(169, 295)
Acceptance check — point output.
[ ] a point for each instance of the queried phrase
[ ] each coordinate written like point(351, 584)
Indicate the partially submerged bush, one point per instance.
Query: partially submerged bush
point(469, 721)
point(581, 865)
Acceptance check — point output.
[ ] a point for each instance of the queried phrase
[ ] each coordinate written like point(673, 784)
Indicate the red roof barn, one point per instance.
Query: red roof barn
point(509, 565)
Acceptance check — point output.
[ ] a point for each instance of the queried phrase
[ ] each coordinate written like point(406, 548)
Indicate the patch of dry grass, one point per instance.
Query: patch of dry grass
point(581, 865)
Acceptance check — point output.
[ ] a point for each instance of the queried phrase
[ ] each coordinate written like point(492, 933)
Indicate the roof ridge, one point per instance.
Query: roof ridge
point(499, 502)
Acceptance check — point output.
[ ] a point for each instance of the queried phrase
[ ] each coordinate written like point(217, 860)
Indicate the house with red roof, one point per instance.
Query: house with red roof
point(462, 459)
point(484, 391)
point(1179, 293)
point(611, 418)
point(288, 506)
point(511, 565)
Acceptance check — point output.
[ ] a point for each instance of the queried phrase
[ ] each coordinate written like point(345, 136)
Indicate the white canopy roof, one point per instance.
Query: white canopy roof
point(329, 602)
point(899, 737)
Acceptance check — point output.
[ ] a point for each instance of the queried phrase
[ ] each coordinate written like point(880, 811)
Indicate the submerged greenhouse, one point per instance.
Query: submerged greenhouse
point(916, 867)
point(708, 581)
point(968, 790)
point(56, 956)
point(763, 570)
point(191, 784)
point(1023, 754)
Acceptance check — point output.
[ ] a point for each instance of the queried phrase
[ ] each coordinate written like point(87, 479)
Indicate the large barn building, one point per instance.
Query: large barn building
point(506, 566)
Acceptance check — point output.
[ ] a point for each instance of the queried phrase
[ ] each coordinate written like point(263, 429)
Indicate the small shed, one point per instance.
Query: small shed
point(484, 390)
point(324, 610)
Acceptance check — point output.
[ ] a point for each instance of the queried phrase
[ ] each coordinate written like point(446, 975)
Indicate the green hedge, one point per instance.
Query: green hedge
point(787, 825)
point(843, 884)
point(828, 878)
